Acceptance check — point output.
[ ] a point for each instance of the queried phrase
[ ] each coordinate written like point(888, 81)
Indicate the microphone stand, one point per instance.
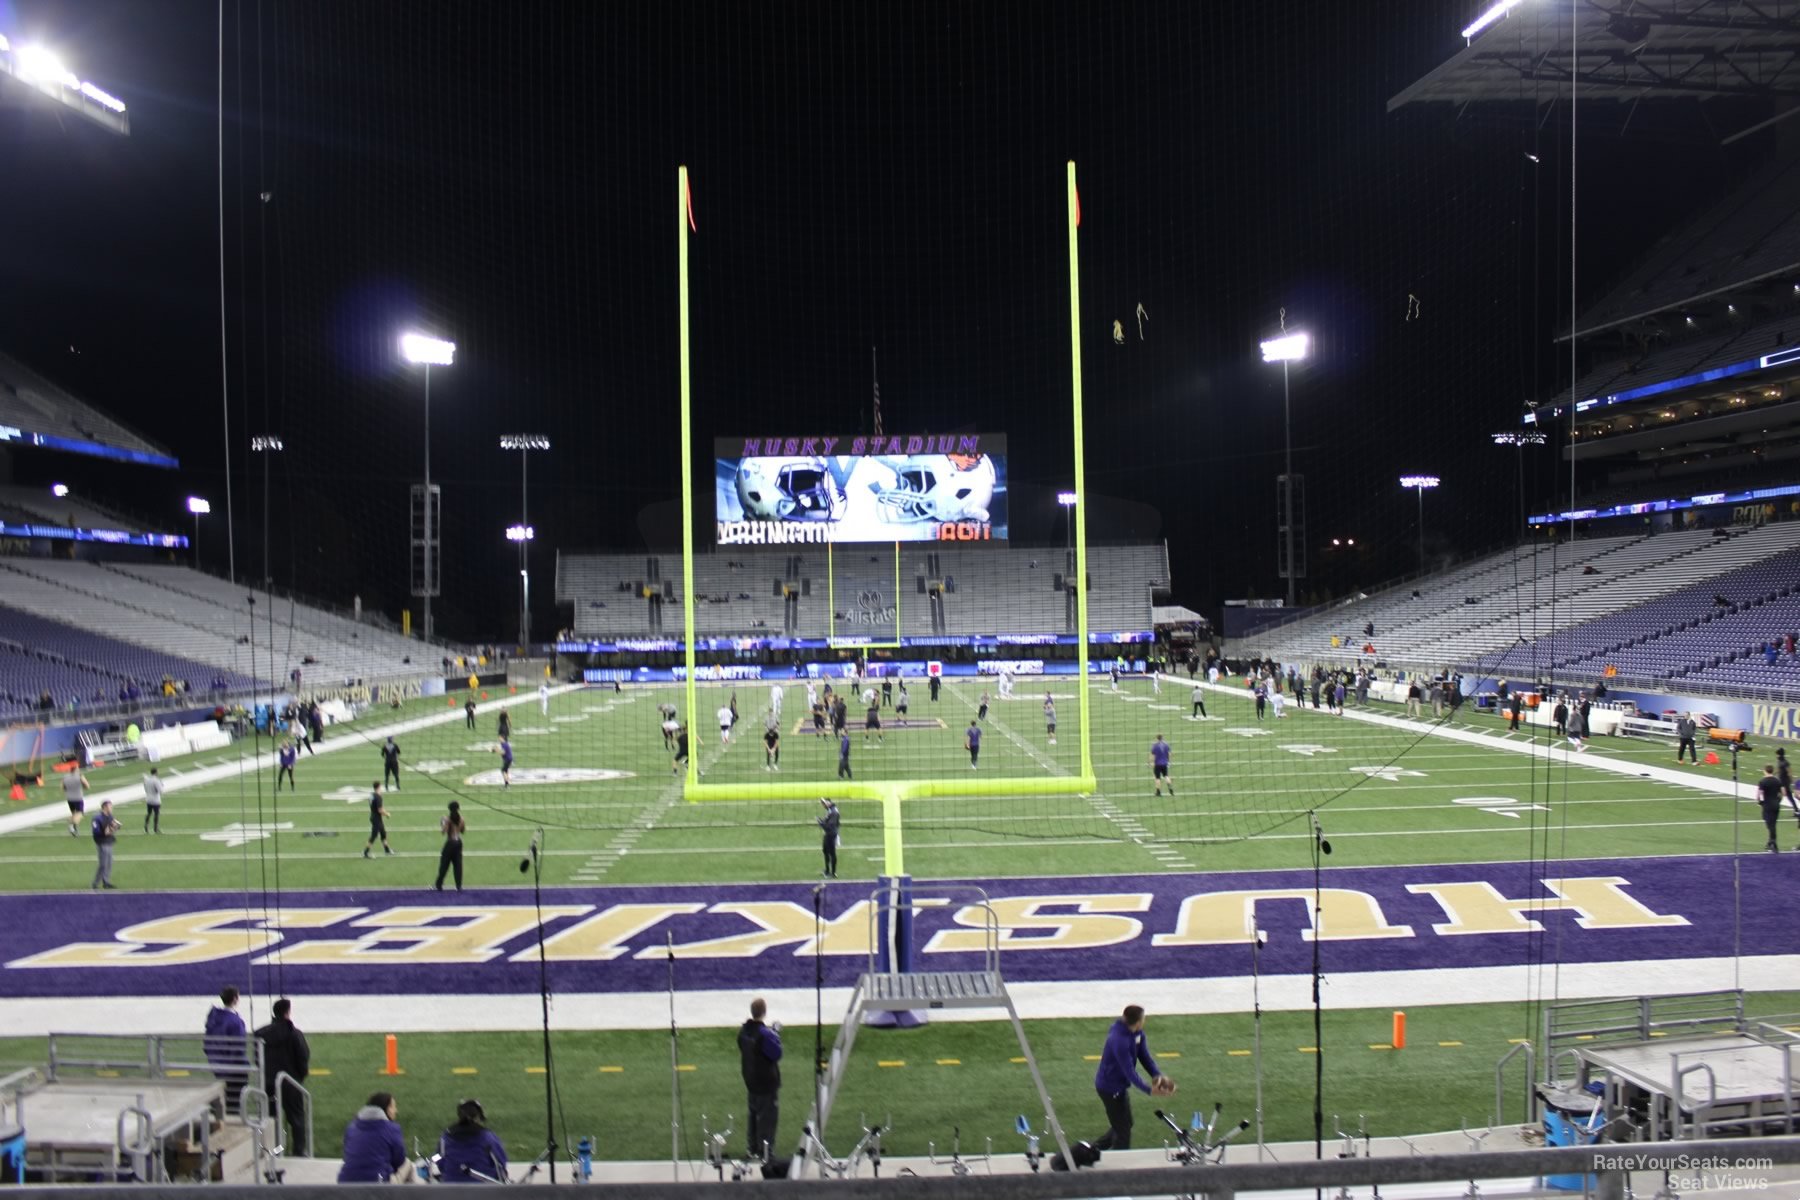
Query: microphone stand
point(1321, 848)
point(535, 864)
point(674, 1072)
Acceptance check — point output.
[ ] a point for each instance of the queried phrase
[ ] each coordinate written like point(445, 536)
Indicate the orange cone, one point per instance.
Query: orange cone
point(393, 1057)
point(1399, 1038)
point(1711, 759)
point(17, 793)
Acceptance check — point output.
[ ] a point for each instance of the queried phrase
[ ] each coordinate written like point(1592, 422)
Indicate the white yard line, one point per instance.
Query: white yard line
point(1554, 751)
point(227, 768)
point(721, 1009)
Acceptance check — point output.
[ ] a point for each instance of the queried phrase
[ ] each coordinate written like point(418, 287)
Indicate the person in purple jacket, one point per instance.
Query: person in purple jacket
point(374, 1148)
point(1125, 1048)
point(227, 1046)
point(285, 759)
point(470, 1152)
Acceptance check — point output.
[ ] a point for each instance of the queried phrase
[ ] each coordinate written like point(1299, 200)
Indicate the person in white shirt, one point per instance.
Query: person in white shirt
point(153, 793)
point(775, 700)
point(1280, 702)
point(544, 698)
point(724, 715)
point(1006, 685)
point(812, 695)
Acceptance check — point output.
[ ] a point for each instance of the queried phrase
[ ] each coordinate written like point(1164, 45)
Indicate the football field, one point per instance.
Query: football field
point(595, 774)
point(1474, 875)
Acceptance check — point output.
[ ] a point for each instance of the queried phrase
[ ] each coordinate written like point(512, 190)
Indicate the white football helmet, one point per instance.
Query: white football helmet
point(788, 489)
point(940, 487)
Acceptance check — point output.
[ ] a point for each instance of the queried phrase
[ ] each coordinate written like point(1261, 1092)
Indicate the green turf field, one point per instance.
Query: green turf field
point(1240, 803)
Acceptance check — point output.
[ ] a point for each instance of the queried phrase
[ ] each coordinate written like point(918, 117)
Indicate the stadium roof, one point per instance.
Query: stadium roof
point(1621, 50)
point(36, 412)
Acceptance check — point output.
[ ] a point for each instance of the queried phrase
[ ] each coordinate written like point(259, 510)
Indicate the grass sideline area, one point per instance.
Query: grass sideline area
point(616, 1085)
point(614, 814)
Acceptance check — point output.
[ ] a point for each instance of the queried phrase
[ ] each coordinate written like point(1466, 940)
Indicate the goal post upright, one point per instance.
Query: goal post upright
point(892, 795)
point(1080, 481)
point(683, 212)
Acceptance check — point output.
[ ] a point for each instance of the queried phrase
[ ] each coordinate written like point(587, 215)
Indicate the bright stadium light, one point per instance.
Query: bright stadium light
point(433, 352)
point(1419, 484)
point(37, 65)
point(1290, 347)
point(1066, 499)
point(265, 442)
point(520, 533)
point(524, 441)
point(1499, 9)
point(59, 490)
point(1532, 437)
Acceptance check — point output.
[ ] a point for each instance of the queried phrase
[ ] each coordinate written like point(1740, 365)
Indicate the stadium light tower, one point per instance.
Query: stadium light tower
point(199, 508)
point(1419, 484)
point(1288, 348)
point(265, 444)
point(420, 349)
point(524, 443)
point(1067, 500)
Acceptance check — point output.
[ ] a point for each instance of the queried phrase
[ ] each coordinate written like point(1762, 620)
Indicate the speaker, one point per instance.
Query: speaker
point(1059, 581)
point(921, 585)
point(806, 587)
point(668, 589)
point(779, 589)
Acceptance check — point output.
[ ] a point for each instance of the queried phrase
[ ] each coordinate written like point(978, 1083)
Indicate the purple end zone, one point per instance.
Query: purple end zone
point(1697, 890)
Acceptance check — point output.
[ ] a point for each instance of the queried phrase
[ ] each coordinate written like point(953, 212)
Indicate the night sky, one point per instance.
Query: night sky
point(871, 174)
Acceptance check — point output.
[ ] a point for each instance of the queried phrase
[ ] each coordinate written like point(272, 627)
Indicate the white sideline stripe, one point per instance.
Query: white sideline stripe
point(723, 1009)
point(49, 814)
point(1553, 751)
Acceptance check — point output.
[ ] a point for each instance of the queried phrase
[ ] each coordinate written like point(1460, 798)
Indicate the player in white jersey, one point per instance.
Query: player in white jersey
point(1279, 701)
point(775, 700)
point(812, 695)
point(725, 719)
point(1006, 685)
point(544, 698)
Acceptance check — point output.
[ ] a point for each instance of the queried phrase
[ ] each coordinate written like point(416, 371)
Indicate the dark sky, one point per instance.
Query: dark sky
point(882, 173)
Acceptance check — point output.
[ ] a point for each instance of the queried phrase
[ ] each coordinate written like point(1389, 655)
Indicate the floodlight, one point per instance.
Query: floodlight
point(197, 506)
point(1066, 499)
point(520, 533)
point(524, 441)
point(1290, 347)
point(59, 490)
point(104, 99)
point(266, 441)
point(1500, 9)
point(433, 352)
point(1532, 437)
point(1418, 481)
point(38, 65)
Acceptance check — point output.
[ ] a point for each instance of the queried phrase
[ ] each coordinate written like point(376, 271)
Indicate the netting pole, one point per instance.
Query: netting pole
point(687, 477)
point(1081, 598)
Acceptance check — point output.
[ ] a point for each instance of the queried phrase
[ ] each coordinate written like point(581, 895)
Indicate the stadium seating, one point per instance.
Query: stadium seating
point(37, 506)
point(30, 401)
point(996, 589)
point(40, 655)
point(1642, 604)
point(202, 620)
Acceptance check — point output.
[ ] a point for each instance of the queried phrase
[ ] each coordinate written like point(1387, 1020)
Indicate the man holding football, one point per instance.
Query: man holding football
point(1125, 1049)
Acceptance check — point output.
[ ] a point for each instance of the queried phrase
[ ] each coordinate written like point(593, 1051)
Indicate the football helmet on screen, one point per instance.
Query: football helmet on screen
point(788, 489)
point(940, 487)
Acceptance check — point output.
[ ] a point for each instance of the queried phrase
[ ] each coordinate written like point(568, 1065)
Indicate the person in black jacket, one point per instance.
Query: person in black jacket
point(828, 824)
point(285, 1052)
point(1768, 790)
point(759, 1052)
point(390, 762)
point(1684, 734)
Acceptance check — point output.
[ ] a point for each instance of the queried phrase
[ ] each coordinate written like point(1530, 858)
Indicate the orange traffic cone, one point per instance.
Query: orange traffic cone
point(1711, 759)
point(17, 793)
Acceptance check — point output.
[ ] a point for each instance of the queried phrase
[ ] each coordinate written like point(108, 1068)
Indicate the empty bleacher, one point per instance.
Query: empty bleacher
point(202, 620)
point(39, 655)
point(1643, 605)
point(987, 589)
